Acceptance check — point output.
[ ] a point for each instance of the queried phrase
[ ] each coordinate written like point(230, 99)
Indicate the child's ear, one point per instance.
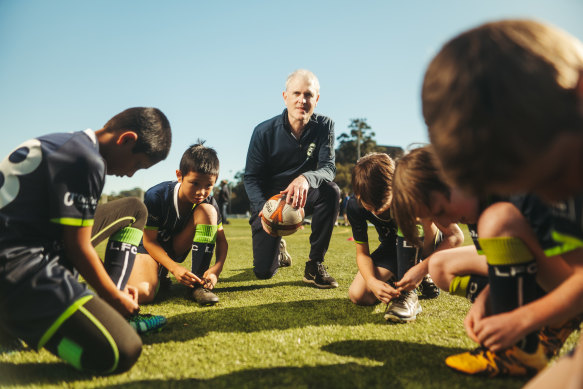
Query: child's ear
point(127, 138)
point(179, 175)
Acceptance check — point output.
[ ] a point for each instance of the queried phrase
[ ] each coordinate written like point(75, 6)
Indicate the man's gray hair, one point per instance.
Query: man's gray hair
point(306, 74)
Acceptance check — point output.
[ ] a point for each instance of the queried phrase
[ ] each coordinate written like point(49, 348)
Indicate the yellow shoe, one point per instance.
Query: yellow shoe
point(512, 361)
point(552, 338)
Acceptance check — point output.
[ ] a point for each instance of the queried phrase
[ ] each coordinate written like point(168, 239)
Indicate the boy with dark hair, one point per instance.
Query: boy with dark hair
point(183, 218)
point(522, 107)
point(49, 224)
point(372, 184)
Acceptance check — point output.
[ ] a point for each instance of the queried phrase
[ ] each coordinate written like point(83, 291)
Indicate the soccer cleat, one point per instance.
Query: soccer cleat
point(284, 258)
point(204, 296)
point(427, 288)
point(315, 273)
point(145, 323)
point(404, 308)
point(510, 362)
point(552, 338)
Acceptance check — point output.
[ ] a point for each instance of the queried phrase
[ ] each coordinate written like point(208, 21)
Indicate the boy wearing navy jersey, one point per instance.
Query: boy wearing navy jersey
point(522, 107)
point(372, 184)
point(49, 224)
point(183, 219)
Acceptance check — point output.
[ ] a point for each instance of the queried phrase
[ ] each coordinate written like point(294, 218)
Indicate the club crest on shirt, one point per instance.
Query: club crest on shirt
point(311, 149)
point(80, 201)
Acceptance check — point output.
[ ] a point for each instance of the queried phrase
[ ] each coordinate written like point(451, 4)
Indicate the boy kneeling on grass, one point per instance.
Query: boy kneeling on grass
point(183, 219)
point(372, 179)
point(49, 224)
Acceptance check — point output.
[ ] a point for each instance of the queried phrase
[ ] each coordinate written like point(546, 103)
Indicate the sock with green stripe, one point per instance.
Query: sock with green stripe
point(468, 286)
point(512, 276)
point(120, 255)
point(203, 246)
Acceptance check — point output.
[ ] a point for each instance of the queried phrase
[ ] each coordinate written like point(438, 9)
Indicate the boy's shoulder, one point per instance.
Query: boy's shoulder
point(164, 191)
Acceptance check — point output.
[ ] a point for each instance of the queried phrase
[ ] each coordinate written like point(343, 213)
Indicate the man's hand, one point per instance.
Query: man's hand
point(383, 291)
point(185, 277)
point(297, 192)
point(412, 278)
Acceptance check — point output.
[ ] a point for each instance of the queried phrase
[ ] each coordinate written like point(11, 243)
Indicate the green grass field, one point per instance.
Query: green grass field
point(279, 333)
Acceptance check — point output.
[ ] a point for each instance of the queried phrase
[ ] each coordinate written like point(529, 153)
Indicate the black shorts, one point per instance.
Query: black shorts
point(38, 289)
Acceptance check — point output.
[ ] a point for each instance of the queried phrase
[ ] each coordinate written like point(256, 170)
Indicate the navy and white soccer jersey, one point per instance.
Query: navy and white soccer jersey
point(359, 219)
point(164, 216)
point(45, 183)
point(53, 179)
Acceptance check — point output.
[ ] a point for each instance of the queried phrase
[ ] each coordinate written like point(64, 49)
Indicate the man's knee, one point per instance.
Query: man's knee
point(264, 275)
point(332, 191)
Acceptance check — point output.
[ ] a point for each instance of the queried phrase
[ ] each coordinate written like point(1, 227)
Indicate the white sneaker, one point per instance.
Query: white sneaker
point(404, 308)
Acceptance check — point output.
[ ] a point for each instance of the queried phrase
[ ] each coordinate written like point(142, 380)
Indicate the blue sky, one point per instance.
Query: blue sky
point(217, 68)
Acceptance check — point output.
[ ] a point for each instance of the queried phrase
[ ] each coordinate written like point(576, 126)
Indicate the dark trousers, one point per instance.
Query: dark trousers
point(322, 203)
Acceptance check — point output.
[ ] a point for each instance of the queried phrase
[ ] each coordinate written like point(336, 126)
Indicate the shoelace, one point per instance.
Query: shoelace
point(322, 270)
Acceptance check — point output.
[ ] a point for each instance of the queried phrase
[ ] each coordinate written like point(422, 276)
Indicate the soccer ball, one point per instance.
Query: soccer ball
point(280, 218)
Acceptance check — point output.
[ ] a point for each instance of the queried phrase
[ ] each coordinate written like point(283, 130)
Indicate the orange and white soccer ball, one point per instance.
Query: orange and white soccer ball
point(280, 218)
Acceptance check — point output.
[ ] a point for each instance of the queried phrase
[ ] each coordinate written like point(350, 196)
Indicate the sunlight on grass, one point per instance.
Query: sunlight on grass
point(279, 333)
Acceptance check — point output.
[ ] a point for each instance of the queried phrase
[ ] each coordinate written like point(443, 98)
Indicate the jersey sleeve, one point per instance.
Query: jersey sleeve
point(75, 178)
point(357, 221)
point(214, 203)
point(154, 200)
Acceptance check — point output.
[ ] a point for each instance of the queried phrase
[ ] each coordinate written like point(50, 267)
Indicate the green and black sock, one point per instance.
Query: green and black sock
point(203, 246)
point(120, 255)
point(512, 276)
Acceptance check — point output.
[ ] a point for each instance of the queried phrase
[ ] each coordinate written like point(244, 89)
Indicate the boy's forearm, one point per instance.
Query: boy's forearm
point(159, 255)
point(84, 258)
point(365, 265)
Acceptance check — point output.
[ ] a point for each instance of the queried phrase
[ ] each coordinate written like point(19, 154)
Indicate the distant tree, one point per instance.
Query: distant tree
point(356, 142)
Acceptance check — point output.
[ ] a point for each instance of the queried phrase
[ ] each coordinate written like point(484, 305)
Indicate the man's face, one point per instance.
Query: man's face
point(196, 186)
point(301, 98)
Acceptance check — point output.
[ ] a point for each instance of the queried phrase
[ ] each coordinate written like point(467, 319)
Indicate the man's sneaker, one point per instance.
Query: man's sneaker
point(285, 259)
point(315, 273)
point(427, 288)
point(510, 362)
point(204, 296)
point(552, 338)
point(404, 308)
point(144, 323)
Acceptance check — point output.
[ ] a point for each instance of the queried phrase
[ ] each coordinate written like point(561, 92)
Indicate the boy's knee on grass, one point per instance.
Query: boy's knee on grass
point(97, 339)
